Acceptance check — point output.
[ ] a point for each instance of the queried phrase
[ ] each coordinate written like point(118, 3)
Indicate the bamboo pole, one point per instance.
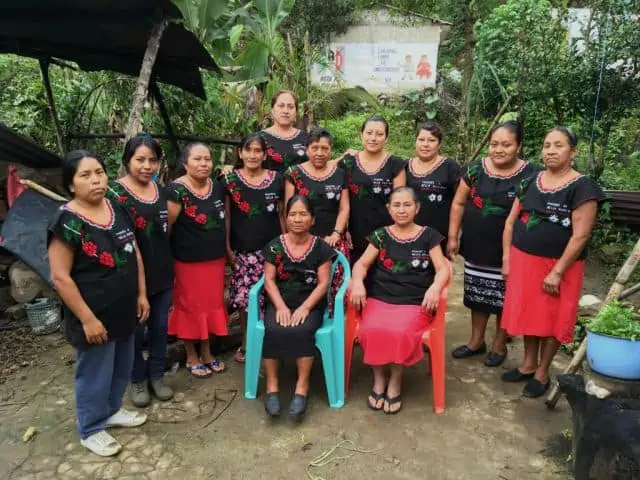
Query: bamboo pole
point(44, 191)
point(44, 69)
point(614, 293)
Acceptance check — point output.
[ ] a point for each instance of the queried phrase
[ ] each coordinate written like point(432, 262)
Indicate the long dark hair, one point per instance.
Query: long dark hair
point(134, 143)
point(302, 199)
point(70, 166)
point(512, 126)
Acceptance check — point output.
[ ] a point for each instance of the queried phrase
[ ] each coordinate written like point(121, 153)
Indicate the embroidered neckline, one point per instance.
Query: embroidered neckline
point(304, 255)
point(502, 177)
point(267, 180)
point(108, 226)
point(297, 132)
point(557, 189)
point(405, 240)
point(201, 197)
point(140, 199)
point(318, 179)
point(382, 165)
point(428, 172)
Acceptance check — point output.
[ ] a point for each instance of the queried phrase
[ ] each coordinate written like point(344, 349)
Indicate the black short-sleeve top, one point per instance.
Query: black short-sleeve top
point(150, 220)
point(284, 152)
point(324, 192)
point(369, 195)
point(255, 209)
point(486, 211)
point(104, 268)
point(544, 224)
point(297, 277)
point(199, 232)
point(435, 190)
point(403, 270)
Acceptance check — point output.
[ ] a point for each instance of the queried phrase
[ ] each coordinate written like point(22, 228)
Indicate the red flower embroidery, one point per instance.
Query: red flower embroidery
point(477, 201)
point(244, 206)
point(388, 264)
point(304, 191)
point(276, 157)
point(354, 188)
point(383, 254)
point(140, 223)
point(201, 219)
point(278, 259)
point(89, 248)
point(294, 173)
point(236, 196)
point(191, 211)
point(123, 199)
point(473, 192)
point(524, 217)
point(106, 259)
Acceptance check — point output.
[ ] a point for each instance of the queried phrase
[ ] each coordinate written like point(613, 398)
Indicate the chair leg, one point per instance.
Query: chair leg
point(253, 357)
point(326, 352)
point(437, 357)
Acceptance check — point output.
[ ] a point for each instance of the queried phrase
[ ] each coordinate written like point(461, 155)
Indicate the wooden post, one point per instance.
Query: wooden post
point(614, 293)
point(44, 69)
point(142, 86)
point(155, 91)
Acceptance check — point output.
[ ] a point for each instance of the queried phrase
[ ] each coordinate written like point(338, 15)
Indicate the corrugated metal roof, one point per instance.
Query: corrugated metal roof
point(625, 207)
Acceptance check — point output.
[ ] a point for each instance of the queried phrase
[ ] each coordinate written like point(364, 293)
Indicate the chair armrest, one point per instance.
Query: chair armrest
point(254, 303)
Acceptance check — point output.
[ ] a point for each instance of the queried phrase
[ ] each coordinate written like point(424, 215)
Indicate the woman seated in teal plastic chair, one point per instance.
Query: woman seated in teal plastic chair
point(297, 275)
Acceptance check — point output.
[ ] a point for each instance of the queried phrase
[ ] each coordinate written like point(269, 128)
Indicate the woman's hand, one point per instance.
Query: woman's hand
point(358, 297)
point(333, 239)
point(551, 283)
point(431, 299)
point(505, 266)
point(143, 308)
point(299, 316)
point(95, 332)
point(452, 248)
point(283, 316)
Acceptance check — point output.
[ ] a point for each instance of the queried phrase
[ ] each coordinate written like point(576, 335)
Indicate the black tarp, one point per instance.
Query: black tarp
point(15, 148)
point(24, 232)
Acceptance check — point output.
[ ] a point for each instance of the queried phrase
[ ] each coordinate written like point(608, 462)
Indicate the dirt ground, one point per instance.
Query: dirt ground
point(211, 431)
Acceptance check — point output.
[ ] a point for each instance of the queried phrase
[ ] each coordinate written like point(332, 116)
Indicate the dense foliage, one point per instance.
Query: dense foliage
point(618, 319)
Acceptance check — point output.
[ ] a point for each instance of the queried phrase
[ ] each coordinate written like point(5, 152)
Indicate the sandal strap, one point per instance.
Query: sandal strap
point(394, 400)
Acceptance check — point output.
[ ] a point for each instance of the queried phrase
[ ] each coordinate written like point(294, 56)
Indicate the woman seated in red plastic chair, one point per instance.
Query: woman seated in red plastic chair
point(408, 272)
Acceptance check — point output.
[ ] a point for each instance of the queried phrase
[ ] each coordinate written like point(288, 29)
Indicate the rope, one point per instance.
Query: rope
point(326, 458)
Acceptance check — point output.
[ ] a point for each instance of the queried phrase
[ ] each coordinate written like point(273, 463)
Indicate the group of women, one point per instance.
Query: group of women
point(132, 260)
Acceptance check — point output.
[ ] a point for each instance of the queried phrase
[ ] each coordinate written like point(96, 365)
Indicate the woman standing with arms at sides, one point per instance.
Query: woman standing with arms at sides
point(371, 176)
point(98, 272)
point(544, 251)
point(433, 177)
point(286, 144)
point(254, 217)
point(147, 205)
point(297, 270)
point(198, 241)
point(481, 206)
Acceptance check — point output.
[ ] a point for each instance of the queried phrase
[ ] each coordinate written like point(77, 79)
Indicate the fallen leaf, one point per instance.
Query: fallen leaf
point(29, 434)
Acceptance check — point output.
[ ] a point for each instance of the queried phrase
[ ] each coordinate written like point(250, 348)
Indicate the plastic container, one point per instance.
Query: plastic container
point(614, 357)
point(44, 315)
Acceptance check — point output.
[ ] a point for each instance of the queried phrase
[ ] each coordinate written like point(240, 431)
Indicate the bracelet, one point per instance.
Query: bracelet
point(338, 232)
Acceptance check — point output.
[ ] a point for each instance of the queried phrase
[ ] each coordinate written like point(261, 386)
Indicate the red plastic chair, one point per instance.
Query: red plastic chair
point(433, 337)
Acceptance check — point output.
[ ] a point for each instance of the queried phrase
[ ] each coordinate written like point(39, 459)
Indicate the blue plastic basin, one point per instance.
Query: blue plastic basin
point(614, 357)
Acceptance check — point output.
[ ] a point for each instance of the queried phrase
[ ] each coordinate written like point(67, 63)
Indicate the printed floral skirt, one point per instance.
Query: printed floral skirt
point(247, 270)
point(338, 276)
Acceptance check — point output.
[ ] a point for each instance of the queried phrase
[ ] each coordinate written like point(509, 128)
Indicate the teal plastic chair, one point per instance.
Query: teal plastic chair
point(329, 340)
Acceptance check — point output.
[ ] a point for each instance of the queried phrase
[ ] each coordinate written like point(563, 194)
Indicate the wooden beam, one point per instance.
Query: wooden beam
point(157, 94)
point(44, 69)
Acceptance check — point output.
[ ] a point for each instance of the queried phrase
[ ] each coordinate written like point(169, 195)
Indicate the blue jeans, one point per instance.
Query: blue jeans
point(102, 375)
point(156, 325)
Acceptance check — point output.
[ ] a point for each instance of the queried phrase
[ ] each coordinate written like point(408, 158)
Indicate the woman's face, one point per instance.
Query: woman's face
point(503, 147)
point(299, 219)
point(319, 152)
point(374, 137)
point(252, 155)
point(557, 154)
point(90, 181)
point(144, 164)
point(199, 164)
point(403, 208)
point(427, 145)
point(284, 110)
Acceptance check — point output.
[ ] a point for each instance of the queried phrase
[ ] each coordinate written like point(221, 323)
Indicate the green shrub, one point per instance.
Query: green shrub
point(618, 319)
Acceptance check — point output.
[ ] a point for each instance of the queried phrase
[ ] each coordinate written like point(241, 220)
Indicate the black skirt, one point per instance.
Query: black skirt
point(283, 342)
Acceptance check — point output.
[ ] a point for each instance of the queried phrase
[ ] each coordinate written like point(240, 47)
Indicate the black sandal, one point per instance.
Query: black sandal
point(535, 388)
point(494, 359)
point(377, 397)
point(516, 375)
point(463, 351)
point(393, 401)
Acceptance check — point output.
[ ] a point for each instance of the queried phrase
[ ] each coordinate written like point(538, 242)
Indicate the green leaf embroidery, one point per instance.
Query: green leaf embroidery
point(533, 220)
point(489, 208)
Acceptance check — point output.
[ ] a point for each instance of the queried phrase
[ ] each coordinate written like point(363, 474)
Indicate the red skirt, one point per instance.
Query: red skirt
point(529, 310)
point(198, 300)
point(392, 333)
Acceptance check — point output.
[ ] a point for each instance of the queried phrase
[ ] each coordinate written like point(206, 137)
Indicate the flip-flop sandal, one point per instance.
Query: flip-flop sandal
point(194, 368)
point(377, 397)
point(393, 401)
point(240, 355)
point(216, 366)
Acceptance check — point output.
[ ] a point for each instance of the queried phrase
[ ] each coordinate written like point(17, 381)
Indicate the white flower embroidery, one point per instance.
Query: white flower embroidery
point(309, 280)
point(553, 218)
point(300, 153)
point(425, 264)
point(566, 222)
point(439, 197)
point(164, 227)
point(330, 195)
point(221, 215)
point(338, 196)
point(377, 189)
point(415, 263)
point(432, 197)
point(128, 247)
point(387, 191)
point(270, 207)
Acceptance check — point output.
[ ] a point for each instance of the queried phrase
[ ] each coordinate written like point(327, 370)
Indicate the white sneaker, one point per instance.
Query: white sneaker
point(125, 418)
point(101, 443)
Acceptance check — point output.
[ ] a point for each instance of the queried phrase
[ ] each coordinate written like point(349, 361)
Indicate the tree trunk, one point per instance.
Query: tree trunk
point(142, 86)
point(462, 154)
point(44, 69)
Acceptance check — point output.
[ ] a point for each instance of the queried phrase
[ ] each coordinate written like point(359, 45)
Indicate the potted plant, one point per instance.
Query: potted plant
point(613, 341)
